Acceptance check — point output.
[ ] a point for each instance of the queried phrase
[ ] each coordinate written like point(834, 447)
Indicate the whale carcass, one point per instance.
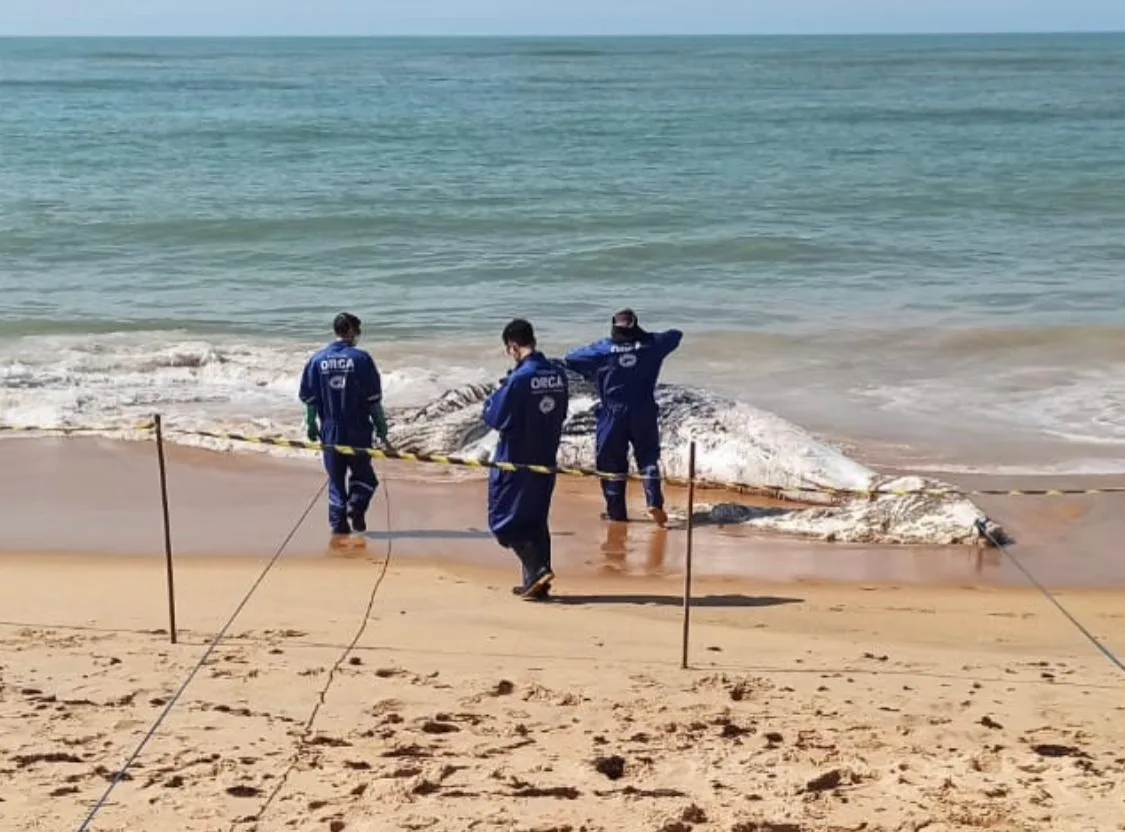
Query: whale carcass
point(735, 443)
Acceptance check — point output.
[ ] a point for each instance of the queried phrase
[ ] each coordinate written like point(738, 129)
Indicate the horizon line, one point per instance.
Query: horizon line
point(569, 35)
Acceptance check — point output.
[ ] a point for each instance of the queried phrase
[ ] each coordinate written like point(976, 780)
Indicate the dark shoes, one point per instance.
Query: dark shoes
point(543, 594)
point(358, 524)
point(538, 590)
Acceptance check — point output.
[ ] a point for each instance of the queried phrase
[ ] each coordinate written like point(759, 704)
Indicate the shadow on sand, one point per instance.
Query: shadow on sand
point(428, 534)
point(437, 534)
point(733, 514)
point(716, 601)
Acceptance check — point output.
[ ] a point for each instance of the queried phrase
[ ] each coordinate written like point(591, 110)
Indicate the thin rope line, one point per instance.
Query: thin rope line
point(1105, 651)
point(302, 741)
point(214, 643)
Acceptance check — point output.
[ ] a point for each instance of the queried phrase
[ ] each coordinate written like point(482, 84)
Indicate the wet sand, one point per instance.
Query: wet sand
point(100, 496)
point(831, 688)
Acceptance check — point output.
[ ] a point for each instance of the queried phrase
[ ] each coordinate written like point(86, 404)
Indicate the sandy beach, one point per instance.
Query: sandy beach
point(899, 690)
point(888, 256)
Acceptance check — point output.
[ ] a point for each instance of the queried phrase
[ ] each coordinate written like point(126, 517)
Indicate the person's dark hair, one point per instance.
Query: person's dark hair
point(518, 332)
point(344, 323)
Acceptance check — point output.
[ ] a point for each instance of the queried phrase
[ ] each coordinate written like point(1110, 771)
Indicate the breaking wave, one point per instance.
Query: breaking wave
point(250, 385)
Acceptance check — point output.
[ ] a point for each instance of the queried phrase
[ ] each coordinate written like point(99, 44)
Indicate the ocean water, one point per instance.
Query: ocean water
point(914, 246)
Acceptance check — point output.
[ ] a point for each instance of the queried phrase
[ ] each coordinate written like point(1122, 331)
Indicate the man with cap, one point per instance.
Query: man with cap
point(342, 387)
point(528, 411)
point(625, 367)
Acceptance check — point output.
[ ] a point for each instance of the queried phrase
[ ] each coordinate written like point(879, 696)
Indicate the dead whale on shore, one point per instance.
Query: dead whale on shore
point(737, 443)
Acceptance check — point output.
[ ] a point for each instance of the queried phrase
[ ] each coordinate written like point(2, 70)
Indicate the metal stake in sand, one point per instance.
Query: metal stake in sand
point(167, 527)
point(687, 553)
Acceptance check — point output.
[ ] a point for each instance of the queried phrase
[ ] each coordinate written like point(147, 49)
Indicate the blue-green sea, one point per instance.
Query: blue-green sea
point(915, 244)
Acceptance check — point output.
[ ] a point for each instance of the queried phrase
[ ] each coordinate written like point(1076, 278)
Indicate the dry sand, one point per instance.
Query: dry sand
point(808, 706)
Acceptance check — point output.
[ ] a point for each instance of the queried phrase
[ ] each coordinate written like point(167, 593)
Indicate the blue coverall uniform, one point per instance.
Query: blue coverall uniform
point(625, 373)
point(344, 385)
point(528, 410)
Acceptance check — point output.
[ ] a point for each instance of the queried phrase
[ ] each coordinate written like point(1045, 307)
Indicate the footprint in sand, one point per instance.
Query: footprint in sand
point(434, 727)
point(693, 814)
point(612, 767)
point(244, 791)
point(28, 760)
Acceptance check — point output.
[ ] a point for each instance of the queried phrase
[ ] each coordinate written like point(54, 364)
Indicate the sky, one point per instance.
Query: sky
point(544, 17)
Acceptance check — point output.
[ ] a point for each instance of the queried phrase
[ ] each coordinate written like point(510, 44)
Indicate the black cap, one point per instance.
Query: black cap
point(626, 319)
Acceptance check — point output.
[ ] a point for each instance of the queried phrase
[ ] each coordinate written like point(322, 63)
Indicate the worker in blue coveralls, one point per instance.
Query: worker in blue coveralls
point(528, 411)
point(341, 387)
point(625, 367)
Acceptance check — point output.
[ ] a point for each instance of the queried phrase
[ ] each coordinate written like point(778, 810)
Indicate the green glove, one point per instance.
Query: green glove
point(313, 432)
point(379, 418)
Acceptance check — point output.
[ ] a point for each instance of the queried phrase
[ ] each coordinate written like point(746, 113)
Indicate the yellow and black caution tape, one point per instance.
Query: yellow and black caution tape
point(410, 456)
point(844, 492)
point(775, 491)
point(1046, 492)
point(148, 424)
point(767, 490)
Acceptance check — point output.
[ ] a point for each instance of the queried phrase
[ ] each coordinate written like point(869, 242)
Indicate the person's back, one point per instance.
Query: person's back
point(528, 410)
point(625, 369)
point(346, 382)
point(529, 413)
point(341, 387)
point(626, 372)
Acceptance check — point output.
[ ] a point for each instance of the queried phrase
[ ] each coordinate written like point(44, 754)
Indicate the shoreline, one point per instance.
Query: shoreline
point(100, 496)
point(1044, 402)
